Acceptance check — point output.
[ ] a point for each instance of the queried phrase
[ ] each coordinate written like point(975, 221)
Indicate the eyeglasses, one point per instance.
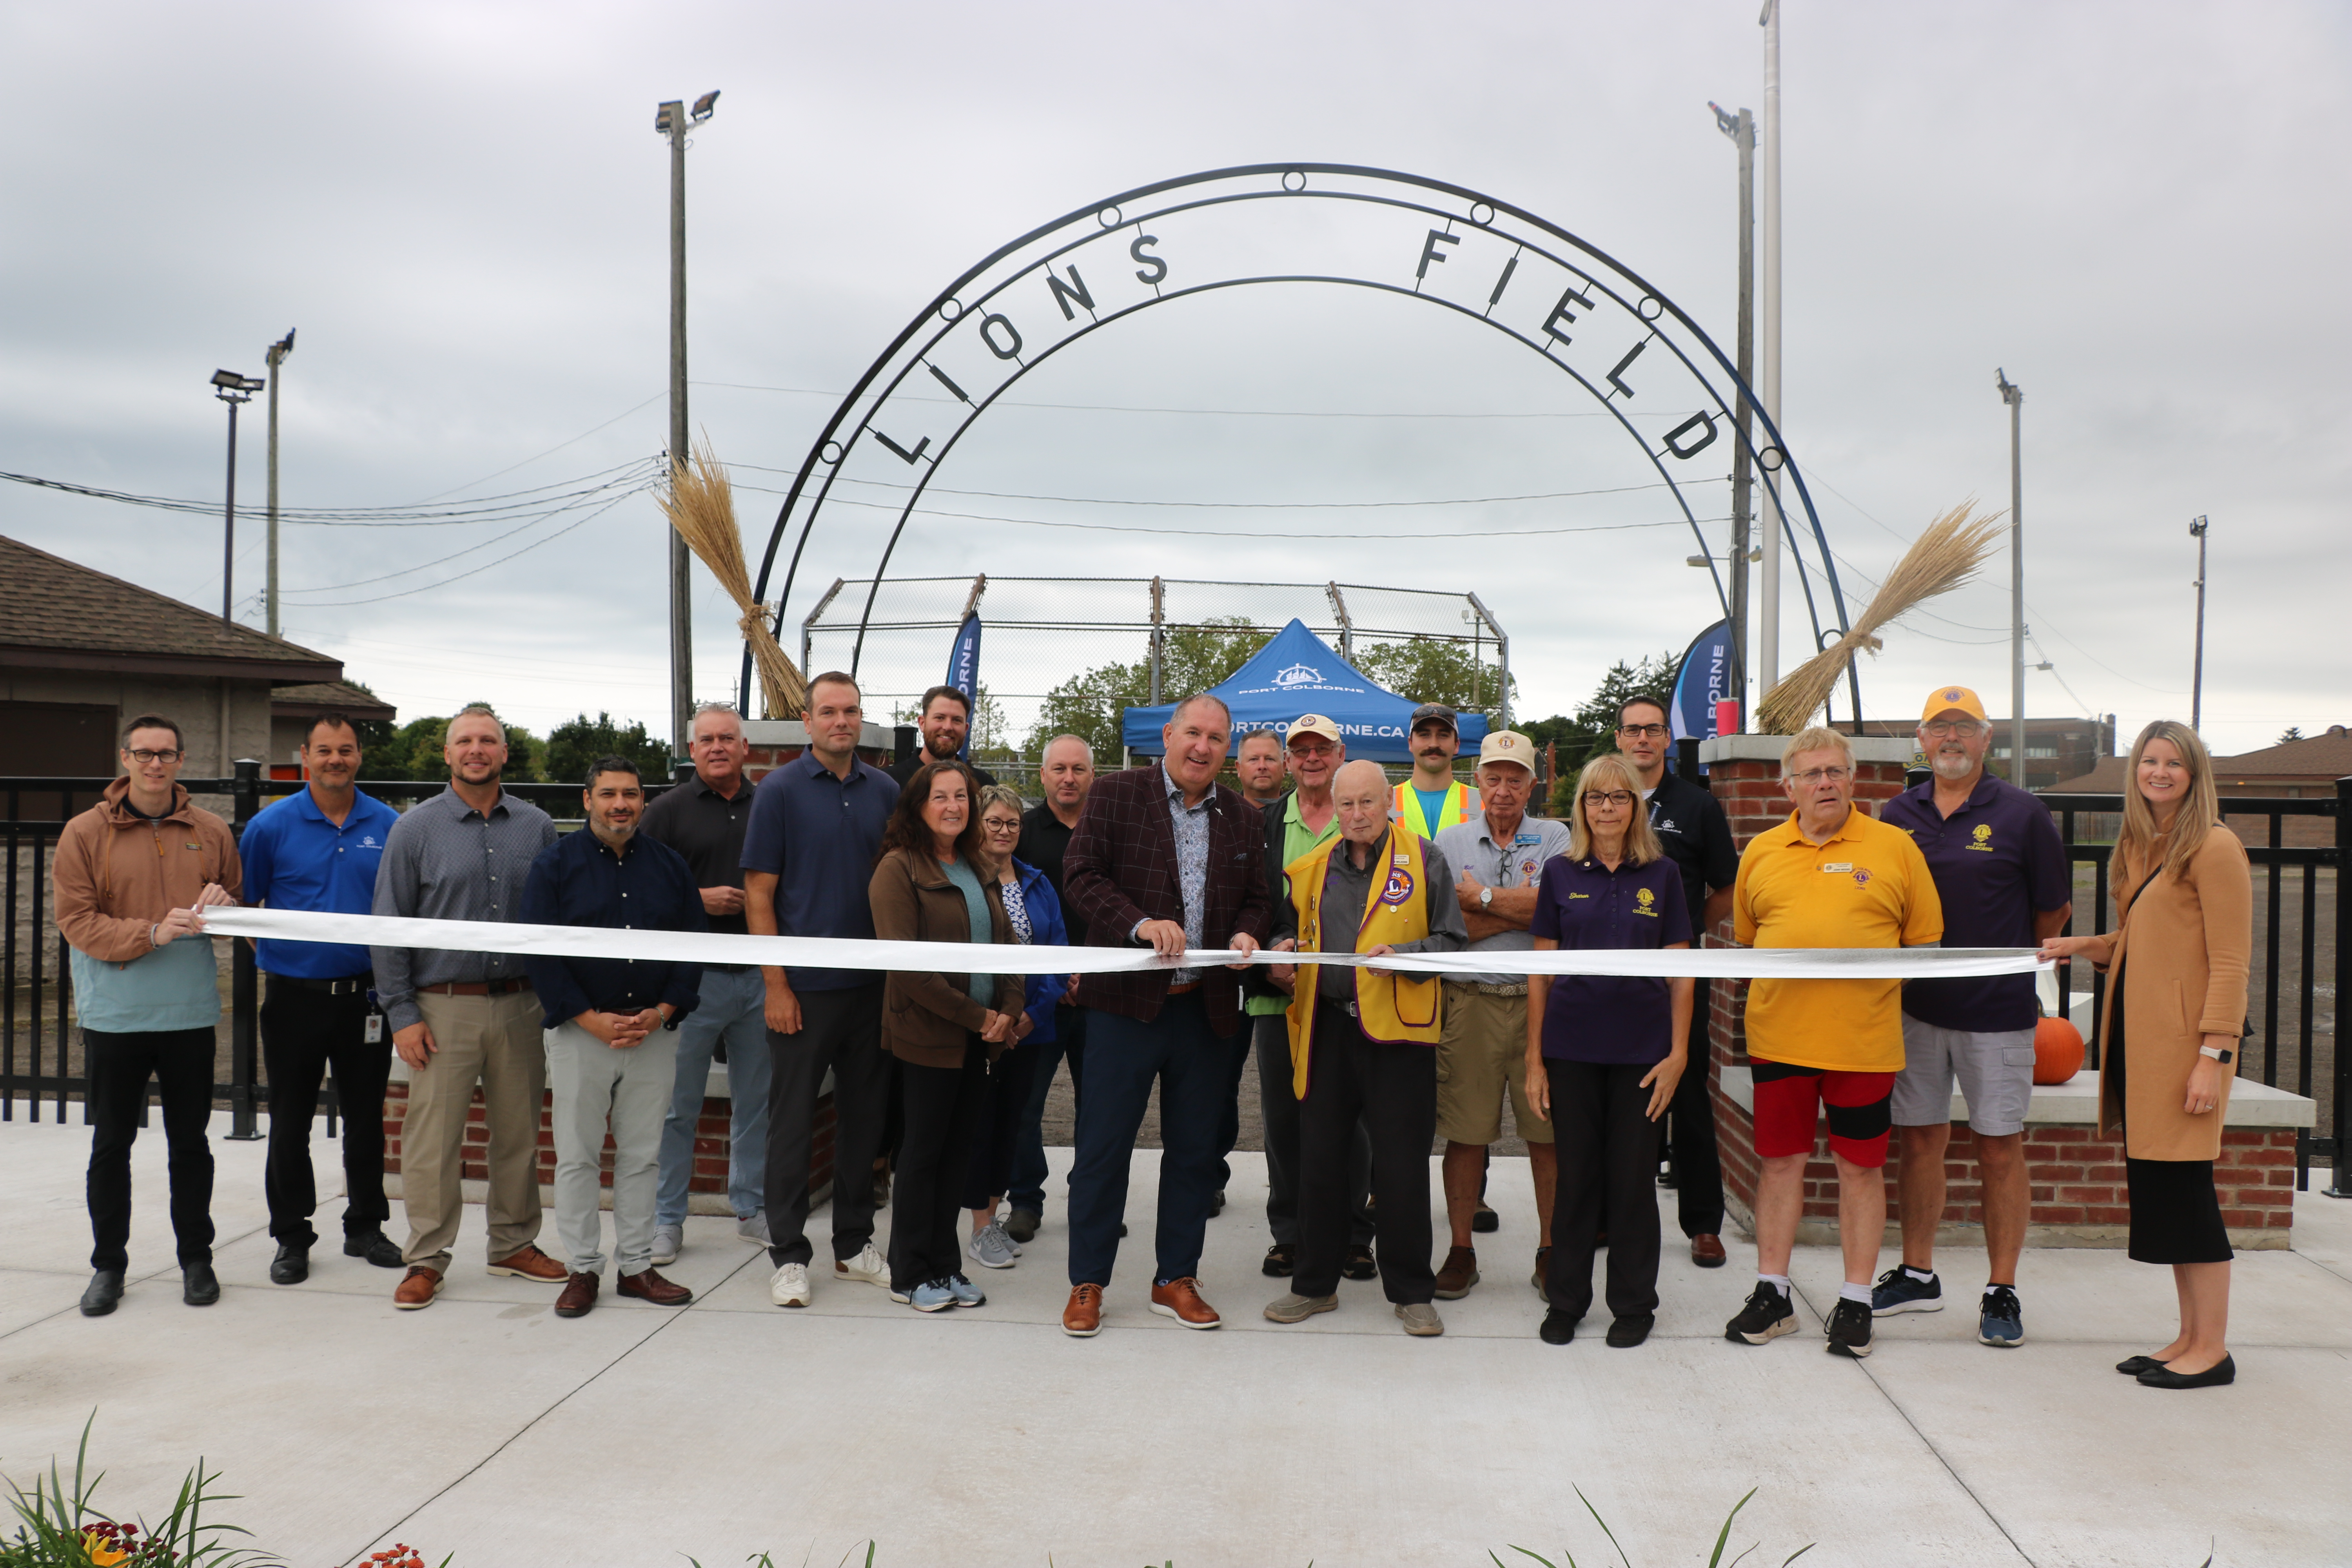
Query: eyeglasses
point(995, 826)
point(1657, 731)
point(1613, 796)
point(1964, 728)
point(143, 758)
point(1812, 777)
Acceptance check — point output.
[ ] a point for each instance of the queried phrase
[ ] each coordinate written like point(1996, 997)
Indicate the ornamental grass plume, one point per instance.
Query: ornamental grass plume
point(1946, 555)
point(700, 504)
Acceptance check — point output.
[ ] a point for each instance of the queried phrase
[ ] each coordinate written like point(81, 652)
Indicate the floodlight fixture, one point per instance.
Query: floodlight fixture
point(231, 387)
point(705, 106)
point(662, 114)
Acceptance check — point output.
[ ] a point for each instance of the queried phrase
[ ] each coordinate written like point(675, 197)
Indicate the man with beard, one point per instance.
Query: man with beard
point(945, 721)
point(2002, 874)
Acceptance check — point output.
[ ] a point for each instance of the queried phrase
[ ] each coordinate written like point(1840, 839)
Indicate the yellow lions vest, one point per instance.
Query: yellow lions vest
point(1394, 1008)
point(1404, 805)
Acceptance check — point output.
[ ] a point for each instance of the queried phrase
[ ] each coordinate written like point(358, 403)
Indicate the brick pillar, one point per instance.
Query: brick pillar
point(1744, 772)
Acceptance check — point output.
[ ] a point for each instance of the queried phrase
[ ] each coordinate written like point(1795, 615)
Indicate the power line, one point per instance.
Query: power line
point(636, 475)
point(1214, 413)
point(510, 467)
point(1236, 505)
point(405, 593)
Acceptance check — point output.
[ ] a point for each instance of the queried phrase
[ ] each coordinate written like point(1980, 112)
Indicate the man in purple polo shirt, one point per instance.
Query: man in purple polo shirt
point(2002, 872)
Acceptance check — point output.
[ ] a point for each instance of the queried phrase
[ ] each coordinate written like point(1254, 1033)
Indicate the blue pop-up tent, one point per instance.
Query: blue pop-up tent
point(1297, 673)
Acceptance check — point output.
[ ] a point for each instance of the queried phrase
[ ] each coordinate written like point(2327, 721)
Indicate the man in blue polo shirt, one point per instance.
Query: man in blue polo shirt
point(319, 850)
point(808, 855)
point(2002, 875)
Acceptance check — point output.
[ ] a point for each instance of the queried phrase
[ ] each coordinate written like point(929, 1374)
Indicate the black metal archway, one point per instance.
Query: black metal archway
point(1595, 320)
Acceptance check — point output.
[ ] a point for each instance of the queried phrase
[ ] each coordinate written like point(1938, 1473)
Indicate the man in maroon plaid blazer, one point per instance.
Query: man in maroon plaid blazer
point(1163, 856)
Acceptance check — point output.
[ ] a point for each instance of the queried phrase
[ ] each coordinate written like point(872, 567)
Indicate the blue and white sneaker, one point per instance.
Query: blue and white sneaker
point(2000, 1322)
point(1899, 1290)
point(965, 1293)
point(930, 1296)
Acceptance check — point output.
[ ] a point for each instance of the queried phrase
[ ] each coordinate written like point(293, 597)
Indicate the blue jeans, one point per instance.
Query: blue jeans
point(731, 1009)
point(1069, 1042)
point(1193, 1068)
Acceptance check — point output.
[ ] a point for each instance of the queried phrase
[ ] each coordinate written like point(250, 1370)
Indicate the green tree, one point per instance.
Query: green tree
point(1427, 670)
point(1091, 703)
point(413, 751)
point(2293, 733)
point(1592, 728)
point(573, 744)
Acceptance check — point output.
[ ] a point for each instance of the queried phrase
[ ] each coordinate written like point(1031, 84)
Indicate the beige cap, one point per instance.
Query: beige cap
point(1508, 746)
point(1315, 724)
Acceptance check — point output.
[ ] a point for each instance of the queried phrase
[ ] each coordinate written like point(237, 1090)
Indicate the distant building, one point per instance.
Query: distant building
point(2054, 748)
point(292, 708)
point(2308, 769)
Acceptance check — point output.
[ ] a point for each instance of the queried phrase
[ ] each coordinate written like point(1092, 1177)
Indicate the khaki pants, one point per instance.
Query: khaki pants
point(599, 1089)
point(494, 1041)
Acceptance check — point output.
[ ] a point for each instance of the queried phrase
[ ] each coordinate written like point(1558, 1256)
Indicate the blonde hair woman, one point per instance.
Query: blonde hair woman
point(2176, 967)
point(1604, 1053)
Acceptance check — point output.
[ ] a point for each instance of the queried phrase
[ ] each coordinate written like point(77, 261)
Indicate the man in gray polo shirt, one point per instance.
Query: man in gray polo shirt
point(1481, 1054)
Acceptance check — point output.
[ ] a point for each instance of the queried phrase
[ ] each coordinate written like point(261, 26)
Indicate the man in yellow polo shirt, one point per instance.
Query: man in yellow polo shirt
point(1829, 877)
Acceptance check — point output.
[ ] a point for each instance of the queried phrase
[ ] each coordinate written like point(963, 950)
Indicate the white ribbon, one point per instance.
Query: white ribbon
point(989, 958)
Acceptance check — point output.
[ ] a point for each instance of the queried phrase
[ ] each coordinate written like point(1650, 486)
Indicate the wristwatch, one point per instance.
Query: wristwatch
point(1485, 897)
point(2216, 1055)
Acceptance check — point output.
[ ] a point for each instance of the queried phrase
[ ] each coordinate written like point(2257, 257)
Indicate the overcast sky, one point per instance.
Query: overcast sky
point(2137, 211)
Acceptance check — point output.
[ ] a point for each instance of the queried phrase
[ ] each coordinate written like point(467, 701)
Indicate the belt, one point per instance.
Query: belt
point(479, 987)
point(731, 968)
point(1484, 988)
point(348, 985)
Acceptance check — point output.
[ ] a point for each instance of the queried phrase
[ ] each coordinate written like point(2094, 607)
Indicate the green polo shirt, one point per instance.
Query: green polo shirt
point(1297, 839)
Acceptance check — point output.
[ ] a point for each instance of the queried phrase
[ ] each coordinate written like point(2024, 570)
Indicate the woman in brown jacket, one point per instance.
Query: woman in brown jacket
point(947, 1030)
point(2175, 1008)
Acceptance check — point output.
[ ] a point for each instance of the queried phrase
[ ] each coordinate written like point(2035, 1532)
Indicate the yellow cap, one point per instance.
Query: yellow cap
point(1315, 724)
point(1948, 697)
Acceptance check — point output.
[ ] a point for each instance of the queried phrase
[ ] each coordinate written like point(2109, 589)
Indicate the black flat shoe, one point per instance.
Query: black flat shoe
point(2132, 1366)
point(1280, 1259)
point(199, 1286)
point(292, 1265)
point(1558, 1329)
point(2214, 1376)
point(1360, 1265)
point(1486, 1222)
point(375, 1247)
point(103, 1294)
point(1626, 1333)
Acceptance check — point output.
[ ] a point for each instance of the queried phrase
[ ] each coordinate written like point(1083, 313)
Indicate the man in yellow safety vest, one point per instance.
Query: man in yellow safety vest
point(1433, 800)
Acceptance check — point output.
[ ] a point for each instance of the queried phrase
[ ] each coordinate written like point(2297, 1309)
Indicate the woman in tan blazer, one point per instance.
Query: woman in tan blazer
point(947, 1030)
point(2175, 1008)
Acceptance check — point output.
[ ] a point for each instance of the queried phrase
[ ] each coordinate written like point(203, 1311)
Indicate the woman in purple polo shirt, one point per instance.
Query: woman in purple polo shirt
point(1606, 1052)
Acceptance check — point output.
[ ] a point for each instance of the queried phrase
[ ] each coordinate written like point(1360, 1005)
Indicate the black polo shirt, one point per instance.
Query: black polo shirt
point(707, 829)
point(1044, 842)
point(906, 767)
point(1697, 836)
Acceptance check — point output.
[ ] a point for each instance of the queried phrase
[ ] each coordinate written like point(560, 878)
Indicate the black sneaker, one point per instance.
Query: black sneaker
point(1768, 1315)
point(1850, 1329)
point(1897, 1292)
point(1486, 1222)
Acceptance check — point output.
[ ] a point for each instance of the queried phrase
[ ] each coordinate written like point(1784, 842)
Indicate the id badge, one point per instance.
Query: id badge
point(374, 1036)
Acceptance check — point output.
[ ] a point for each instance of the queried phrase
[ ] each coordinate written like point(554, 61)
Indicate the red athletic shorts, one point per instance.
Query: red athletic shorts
point(1787, 1099)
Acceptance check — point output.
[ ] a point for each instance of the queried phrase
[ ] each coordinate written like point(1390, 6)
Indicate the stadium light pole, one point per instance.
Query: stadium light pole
point(2196, 678)
point(1768, 615)
point(231, 389)
point(1741, 129)
point(674, 119)
point(2014, 396)
point(276, 356)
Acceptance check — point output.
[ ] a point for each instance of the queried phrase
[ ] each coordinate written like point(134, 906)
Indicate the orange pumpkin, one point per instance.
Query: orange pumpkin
point(2057, 1051)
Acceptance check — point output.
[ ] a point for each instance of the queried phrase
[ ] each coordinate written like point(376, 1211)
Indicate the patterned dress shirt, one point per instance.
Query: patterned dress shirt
point(443, 860)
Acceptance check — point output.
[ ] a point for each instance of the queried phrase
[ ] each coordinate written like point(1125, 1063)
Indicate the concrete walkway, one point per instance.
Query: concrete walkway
point(487, 1427)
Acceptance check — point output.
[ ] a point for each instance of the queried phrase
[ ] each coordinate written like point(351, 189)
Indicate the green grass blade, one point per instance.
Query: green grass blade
point(1723, 1536)
point(1799, 1551)
point(1604, 1526)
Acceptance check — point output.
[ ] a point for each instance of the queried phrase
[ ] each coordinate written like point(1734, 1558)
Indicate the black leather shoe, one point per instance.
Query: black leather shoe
point(2214, 1376)
point(1626, 1333)
point(292, 1265)
point(1217, 1204)
point(1486, 1222)
point(1360, 1265)
point(104, 1293)
point(199, 1286)
point(2132, 1366)
point(375, 1247)
point(1558, 1329)
point(1280, 1259)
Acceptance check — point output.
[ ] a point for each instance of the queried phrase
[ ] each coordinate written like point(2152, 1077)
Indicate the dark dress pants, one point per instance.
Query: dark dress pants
point(941, 1112)
point(1069, 1044)
point(1690, 1135)
point(1608, 1152)
point(1125, 1057)
point(841, 1030)
point(989, 1173)
point(119, 1066)
point(1279, 1108)
point(1391, 1092)
point(303, 1034)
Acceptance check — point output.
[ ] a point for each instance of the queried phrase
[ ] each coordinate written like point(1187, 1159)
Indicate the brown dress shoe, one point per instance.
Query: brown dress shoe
point(1707, 1251)
point(1181, 1299)
point(651, 1287)
point(1082, 1319)
point(531, 1263)
point(416, 1289)
point(1461, 1272)
point(579, 1295)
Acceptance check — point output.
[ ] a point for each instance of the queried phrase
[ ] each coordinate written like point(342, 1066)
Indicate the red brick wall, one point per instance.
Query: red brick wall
point(765, 760)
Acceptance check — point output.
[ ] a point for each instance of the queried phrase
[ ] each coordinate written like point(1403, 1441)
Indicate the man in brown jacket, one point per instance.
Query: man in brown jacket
point(132, 874)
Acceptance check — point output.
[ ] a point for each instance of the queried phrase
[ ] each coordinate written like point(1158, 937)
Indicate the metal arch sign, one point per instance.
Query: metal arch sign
point(1601, 324)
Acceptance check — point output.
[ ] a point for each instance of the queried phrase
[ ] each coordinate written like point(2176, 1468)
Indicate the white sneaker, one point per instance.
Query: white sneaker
point(866, 1267)
point(667, 1240)
point(789, 1286)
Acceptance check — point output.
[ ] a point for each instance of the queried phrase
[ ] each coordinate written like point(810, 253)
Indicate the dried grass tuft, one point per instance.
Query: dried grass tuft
point(700, 504)
point(1946, 555)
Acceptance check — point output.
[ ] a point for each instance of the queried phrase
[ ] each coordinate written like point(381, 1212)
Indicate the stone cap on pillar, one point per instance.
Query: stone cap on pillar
point(1897, 749)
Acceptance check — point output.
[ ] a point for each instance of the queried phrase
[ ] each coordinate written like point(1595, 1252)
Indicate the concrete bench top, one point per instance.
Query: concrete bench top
point(2075, 1102)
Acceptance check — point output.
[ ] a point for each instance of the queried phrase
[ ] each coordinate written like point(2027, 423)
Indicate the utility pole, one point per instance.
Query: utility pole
point(231, 389)
point(278, 353)
point(1741, 129)
point(674, 120)
point(2196, 679)
point(2015, 397)
point(1768, 652)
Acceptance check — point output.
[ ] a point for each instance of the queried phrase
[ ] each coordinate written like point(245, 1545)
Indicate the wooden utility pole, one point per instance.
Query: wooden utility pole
point(673, 120)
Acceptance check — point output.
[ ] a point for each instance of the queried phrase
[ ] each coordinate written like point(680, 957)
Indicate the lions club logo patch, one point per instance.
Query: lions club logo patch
point(1982, 837)
point(1399, 889)
point(1862, 875)
point(1645, 900)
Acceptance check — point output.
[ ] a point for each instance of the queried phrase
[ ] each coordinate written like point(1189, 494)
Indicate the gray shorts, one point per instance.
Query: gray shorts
point(1995, 1071)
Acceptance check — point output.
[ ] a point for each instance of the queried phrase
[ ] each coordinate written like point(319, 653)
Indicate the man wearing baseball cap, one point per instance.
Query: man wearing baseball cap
point(1482, 1047)
point(1430, 801)
point(2002, 874)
